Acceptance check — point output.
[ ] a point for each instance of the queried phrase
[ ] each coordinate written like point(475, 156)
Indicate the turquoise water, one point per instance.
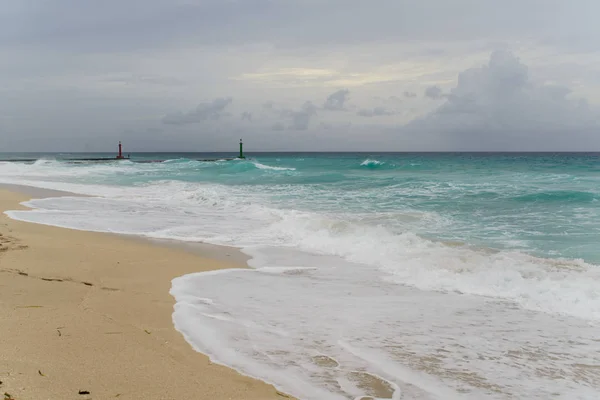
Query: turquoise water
point(441, 250)
point(544, 204)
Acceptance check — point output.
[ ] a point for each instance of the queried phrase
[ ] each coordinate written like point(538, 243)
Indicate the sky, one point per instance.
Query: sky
point(304, 75)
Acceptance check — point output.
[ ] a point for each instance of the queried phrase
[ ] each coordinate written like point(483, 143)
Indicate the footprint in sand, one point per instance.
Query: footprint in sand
point(10, 243)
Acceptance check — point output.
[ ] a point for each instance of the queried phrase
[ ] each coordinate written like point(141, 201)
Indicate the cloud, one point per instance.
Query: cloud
point(296, 119)
point(375, 112)
point(246, 116)
point(135, 24)
point(388, 100)
point(92, 69)
point(433, 92)
point(335, 101)
point(301, 119)
point(206, 111)
point(309, 107)
point(131, 79)
point(278, 126)
point(497, 106)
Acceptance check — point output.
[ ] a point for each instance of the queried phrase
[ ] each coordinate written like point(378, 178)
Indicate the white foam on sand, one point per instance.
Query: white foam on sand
point(210, 213)
point(427, 345)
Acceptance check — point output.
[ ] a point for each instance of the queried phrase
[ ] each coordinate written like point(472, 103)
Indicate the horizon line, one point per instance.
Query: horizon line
point(323, 152)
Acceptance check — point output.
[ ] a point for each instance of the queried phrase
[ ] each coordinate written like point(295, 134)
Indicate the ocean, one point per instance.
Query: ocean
point(381, 275)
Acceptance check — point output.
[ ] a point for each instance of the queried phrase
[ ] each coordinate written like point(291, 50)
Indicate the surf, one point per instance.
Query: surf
point(366, 278)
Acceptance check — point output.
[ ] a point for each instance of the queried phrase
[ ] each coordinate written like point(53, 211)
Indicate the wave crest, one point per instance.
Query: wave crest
point(272, 168)
point(571, 196)
point(369, 163)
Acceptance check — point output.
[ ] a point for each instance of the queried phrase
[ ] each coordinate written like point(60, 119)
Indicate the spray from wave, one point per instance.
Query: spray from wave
point(271, 167)
point(372, 164)
point(46, 162)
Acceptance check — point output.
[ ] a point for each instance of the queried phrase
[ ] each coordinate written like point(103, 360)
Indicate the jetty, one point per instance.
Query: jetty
point(120, 157)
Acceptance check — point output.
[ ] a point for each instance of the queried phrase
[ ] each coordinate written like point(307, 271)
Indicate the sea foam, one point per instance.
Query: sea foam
point(346, 303)
point(214, 214)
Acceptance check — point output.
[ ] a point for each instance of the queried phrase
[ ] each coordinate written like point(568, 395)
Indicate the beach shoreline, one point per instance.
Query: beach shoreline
point(91, 312)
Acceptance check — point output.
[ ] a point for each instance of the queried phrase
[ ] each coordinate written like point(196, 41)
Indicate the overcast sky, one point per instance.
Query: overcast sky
point(299, 75)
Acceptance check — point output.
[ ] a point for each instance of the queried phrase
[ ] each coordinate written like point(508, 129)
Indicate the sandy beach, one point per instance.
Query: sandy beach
point(88, 312)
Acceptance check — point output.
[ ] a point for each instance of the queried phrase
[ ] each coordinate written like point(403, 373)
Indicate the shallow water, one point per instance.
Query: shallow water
point(426, 276)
